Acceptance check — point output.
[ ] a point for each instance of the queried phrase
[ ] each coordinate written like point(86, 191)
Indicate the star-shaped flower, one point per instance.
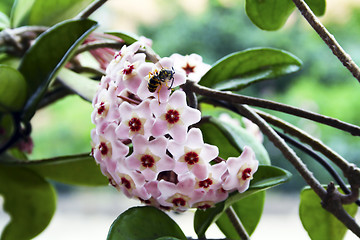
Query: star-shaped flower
point(173, 117)
point(241, 170)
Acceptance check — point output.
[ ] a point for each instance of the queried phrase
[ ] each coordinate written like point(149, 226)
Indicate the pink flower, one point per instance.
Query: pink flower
point(149, 157)
point(192, 65)
point(179, 196)
point(253, 129)
point(173, 117)
point(193, 155)
point(135, 120)
point(241, 170)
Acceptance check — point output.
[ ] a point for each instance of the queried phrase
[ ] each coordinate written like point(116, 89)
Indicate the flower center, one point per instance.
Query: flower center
point(204, 206)
point(188, 69)
point(179, 202)
point(172, 116)
point(147, 161)
point(191, 158)
point(103, 148)
point(135, 124)
point(126, 183)
point(246, 174)
point(101, 108)
point(205, 183)
point(128, 70)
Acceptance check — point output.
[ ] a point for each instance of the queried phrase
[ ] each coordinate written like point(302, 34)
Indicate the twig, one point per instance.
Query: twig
point(237, 223)
point(329, 39)
point(257, 102)
point(284, 148)
point(351, 195)
point(351, 172)
point(99, 44)
point(331, 200)
point(90, 9)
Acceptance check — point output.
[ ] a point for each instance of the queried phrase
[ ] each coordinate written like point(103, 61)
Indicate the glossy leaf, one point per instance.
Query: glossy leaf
point(13, 89)
point(4, 21)
point(140, 223)
point(249, 211)
point(272, 14)
point(47, 13)
point(7, 123)
point(29, 200)
point(44, 12)
point(317, 6)
point(269, 14)
point(49, 53)
point(20, 12)
point(240, 69)
point(311, 214)
point(264, 178)
point(81, 85)
point(76, 170)
point(232, 139)
point(128, 38)
point(5, 6)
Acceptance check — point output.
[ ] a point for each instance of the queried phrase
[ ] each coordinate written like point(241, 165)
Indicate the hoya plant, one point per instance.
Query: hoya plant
point(173, 132)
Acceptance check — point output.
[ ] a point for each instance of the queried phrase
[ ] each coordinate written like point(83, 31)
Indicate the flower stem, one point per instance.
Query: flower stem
point(237, 223)
point(329, 39)
point(257, 102)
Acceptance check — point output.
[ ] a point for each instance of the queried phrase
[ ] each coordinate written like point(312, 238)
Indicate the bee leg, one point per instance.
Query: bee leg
point(159, 93)
point(172, 82)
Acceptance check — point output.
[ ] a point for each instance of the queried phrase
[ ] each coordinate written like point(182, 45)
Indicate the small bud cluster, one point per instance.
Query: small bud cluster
point(142, 140)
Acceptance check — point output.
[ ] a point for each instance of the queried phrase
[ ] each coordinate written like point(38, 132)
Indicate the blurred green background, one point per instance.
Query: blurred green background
point(214, 29)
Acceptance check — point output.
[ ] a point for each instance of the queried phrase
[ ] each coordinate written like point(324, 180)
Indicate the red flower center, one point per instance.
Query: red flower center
point(135, 124)
point(101, 109)
point(172, 116)
point(128, 70)
point(246, 174)
point(103, 148)
point(147, 161)
point(191, 158)
point(205, 183)
point(126, 183)
point(188, 69)
point(179, 202)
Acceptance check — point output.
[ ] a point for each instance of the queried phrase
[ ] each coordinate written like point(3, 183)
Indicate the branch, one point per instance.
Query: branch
point(329, 39)
point(237, 223)
point(331, 199)
point(91, 9)
point(351, 172)
point(257, 102)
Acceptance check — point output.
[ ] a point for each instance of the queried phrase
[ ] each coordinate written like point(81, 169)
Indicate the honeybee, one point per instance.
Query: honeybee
point(160, 77)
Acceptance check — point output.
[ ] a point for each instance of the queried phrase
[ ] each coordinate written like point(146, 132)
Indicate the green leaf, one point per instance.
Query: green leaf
point(317, 6)
point(47, 13)
point(129, 38)
point(4, 21)
point(272, 14)
point(319, 223)
point(77, 170)
point(264, 178)
point(240, 69)
point(140, 223)
point(13, 89)
point(81, 85)
point(7, 124)
point(269, 14)
point(20, 12)
point(29, 200)
point(232, 139)
point(249, 211)
point(44, 12)
point(48, 54)
point(5, 6)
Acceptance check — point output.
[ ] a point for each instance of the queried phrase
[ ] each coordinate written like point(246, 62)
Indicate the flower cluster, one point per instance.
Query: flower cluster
point(142, 139)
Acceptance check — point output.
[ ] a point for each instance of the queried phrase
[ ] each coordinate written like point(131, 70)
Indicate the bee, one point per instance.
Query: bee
point(160, 77)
